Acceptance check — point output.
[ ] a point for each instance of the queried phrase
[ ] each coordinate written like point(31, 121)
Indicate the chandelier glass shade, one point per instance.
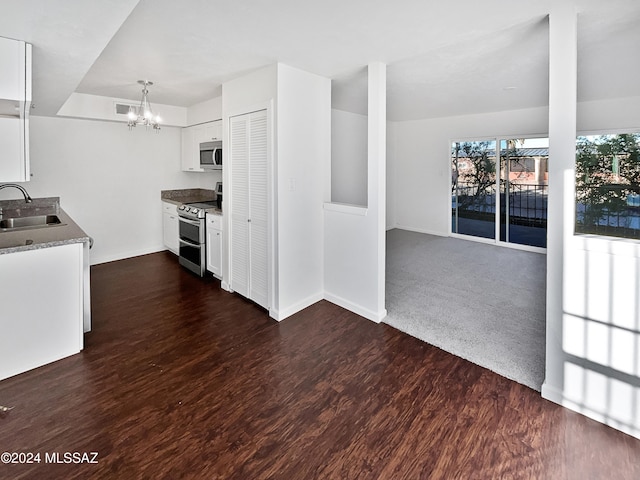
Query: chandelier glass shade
point(143, 114)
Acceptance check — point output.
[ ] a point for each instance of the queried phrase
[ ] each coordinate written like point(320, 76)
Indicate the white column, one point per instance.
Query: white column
point(355, 239)
point(377, 172)
point(562, 139)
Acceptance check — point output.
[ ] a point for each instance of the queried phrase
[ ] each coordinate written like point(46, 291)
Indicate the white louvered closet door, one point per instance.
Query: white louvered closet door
point(258, 275)
point(248, 164)
point(239, 164)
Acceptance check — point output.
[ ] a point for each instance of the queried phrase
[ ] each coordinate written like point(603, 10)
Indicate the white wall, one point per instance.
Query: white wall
point(593, 357)
point(299, 106)
point(348, 158)
point(250, 92)
point(616, 114)
point(304, 154)
point(96, 107)
point(205, 111)
point(349, 162)
point(355, 236)
point(108, 179)
point(254, 91)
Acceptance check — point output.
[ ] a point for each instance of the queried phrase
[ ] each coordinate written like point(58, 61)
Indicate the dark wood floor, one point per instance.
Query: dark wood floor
point(180, 379)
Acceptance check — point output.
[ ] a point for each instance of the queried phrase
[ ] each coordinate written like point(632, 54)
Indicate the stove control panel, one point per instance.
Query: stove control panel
point(189, 211)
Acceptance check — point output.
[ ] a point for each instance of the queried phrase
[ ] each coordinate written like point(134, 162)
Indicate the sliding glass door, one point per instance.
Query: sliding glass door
point(473, 199)
point(517, 214)
point(524, 180)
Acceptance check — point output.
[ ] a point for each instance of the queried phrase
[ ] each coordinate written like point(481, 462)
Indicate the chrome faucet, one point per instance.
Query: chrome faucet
point(27, 198)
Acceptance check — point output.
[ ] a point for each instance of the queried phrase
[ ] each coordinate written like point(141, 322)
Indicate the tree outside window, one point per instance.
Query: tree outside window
point(608, 185)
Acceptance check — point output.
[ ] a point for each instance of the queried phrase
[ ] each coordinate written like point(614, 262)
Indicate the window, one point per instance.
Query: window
point(608, 185)
point(473, 184)
point(517, 213)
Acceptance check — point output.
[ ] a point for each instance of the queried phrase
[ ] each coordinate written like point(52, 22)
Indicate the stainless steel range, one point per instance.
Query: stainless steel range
point(192, 248)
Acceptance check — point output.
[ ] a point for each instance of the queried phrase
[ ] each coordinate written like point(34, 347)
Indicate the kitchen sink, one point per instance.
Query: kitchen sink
point(36, 221)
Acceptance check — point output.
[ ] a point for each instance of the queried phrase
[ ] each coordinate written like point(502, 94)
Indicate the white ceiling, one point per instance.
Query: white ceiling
point(444, 58)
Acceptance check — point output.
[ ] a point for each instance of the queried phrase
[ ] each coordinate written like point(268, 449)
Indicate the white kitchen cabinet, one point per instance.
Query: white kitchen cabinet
point(190, 151)
point(42, 306)
point(210, 131)
point(192, 137)
point(170, 226)
point(214, 244)
point(15, 102)
point(248, 162)
point(15, 74)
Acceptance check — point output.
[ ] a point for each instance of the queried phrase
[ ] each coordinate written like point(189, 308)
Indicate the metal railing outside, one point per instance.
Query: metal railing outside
point(527, 203)
point(605, 210)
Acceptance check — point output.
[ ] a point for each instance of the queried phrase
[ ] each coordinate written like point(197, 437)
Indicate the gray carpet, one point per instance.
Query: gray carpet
point(480, 302)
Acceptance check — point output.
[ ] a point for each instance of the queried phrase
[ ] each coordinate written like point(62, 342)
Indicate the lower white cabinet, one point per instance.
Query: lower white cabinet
point(42, 299)
point(170, 226)
point(214, 244)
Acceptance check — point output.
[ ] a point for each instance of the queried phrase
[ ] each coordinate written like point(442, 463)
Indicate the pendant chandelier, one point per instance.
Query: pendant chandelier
point(143, 115)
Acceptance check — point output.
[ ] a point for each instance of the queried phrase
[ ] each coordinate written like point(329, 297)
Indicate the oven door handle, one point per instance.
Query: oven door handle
point(195, 223)
point(189, 243)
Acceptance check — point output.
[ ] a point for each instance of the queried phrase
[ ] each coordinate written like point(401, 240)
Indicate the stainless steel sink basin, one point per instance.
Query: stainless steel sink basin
point(37, 221)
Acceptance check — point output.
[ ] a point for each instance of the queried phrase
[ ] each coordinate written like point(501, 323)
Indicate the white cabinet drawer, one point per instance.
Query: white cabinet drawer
point(169, 208)
point(214, 221)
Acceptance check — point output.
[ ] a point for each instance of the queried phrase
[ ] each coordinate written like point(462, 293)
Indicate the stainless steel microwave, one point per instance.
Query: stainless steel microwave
point(211, 155)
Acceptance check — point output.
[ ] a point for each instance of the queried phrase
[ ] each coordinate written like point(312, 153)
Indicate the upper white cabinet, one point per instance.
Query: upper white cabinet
point(209, 131)
point(15, 101)
point(190, 151)
point(15, 74)
point(192, 137)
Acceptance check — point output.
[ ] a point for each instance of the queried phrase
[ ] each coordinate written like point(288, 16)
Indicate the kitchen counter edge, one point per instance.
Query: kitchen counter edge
point(45, 237)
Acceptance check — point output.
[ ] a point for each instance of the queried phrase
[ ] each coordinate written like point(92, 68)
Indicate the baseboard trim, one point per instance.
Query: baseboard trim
point(421, 230)
point(96, 260)
point(556, 395)
point(551, 393)
point(280, 315)
point(376, 317)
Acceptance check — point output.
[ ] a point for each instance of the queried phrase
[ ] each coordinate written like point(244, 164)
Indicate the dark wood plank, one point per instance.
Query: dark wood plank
point(180, 379)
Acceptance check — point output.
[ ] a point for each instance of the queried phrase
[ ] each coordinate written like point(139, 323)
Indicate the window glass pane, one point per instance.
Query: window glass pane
point(524, 180)
point(608, 185)
point(473, 195)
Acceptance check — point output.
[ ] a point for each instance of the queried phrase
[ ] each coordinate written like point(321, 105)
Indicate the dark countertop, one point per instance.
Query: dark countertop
point(187, 195)
point(214, 211)
point(35, 238)
point(191, 195)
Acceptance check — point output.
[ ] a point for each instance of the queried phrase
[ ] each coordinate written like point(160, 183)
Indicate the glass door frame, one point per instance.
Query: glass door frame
point(498, 203)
